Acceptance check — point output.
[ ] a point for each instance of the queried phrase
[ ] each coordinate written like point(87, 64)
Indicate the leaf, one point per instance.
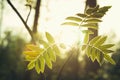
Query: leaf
point(108, 51)
point(70, 23)
point(74, 19)
point(106, 46)
point(81, 15)
point(100, 41)
point(93, 20)
point(93, 54)
point(44, 43)
point(104, 9)
point(47, 60)
point(31, 65)
point(42, 63)
point(51, 54)
point(92, 10)
point(88, 51)
point(90, 25)
point(50, 38)
point(97, 15)
point(62, 45)
point(94, 40)
point(83, 47)
point(37, 66)
point(109, 59)
point(56, 49)
point(31, 53)
point(28, 58)
point(99, 57)
point(86, 38)
point(88, 32)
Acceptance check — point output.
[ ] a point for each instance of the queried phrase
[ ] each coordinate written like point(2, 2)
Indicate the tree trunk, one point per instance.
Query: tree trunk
point(91, 66)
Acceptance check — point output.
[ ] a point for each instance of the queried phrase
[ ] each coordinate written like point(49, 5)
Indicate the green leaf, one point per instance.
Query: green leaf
point(88, 51)
point(88, 32)
point(50, 38)
point(51, 54)
point(93, 20)
point(37, 66)
point(99, 57)
point(100, 41)
point(31, 65)
point(94, 40)
point(103, 47)
point(86, 38)
point(42, 63)
point(96, 15)
point(90, 25)
point(109, 59)
point(92, 10)
point(108, 51)
point(70, 23)
point(56, 49)
point(62, 46)
point(83, 47)
point(104, 9)
point(81, 15)
point(44, 43)
point(93, 54)
point(48, 60)
point(74, 19)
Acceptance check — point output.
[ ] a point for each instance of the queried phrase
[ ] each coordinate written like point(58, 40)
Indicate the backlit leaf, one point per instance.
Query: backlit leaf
point(109, 59)
point(51, 54)
point(74, 19)
point(81, 15)
point(90, 25)
point(37, 66)
point(56, 49)
point(47, 60)
point(50, 38)
point(94, 40)
point(93, 20)
point(31, 65)
point(42, 63)
point(70, 23)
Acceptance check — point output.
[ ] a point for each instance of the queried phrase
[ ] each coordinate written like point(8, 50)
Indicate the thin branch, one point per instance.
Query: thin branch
point(29, 12)
point(37, 9)
point(26, 26)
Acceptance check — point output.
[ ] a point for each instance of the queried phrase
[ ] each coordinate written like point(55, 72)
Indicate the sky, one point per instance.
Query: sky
point(52, 17)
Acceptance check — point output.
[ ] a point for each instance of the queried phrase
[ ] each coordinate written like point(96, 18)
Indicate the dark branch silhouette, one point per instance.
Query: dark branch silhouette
point(26, 26)
point(37, 9)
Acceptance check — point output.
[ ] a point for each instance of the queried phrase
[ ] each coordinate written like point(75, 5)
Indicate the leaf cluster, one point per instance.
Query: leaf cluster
point(42, 54)
point(96, 49)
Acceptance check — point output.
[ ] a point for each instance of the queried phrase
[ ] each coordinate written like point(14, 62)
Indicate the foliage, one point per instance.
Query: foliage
point(40, 54)
point(96, 48)
point(44, 52)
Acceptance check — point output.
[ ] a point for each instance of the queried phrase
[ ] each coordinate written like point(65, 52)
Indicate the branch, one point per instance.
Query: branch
point(26, 26)
point(30, 7)
point(37, 9)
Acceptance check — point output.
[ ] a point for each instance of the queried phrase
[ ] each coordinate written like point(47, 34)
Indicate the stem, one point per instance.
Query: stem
point(26, 26)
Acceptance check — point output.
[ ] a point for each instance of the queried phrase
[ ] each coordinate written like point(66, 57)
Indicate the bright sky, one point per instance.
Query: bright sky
point(55, 15)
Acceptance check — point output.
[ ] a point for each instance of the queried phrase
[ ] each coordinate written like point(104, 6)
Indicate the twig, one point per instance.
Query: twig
point(26, 26)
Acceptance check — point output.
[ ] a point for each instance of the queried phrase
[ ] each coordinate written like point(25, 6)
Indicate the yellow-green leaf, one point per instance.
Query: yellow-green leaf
point(31, 65)
point(50, 37)
point(51, 54)
point(37, 66)
point(70, 23)
point(47, 60)
point(42, 63)
point(92, 42)
point(74, 19)
point(56, 49)
point(109, 59)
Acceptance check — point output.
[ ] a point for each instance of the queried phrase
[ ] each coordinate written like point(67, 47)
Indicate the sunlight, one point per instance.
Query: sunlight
point(54, 14)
